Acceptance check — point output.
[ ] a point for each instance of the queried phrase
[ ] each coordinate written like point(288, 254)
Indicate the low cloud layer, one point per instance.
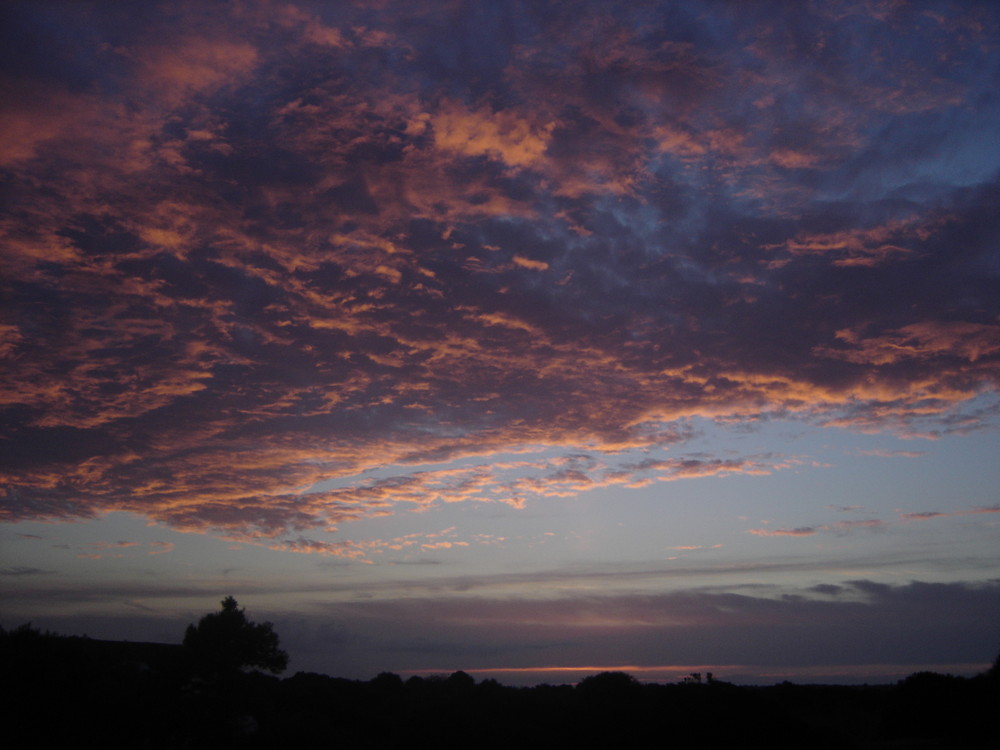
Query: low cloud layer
point(754, 632)
point(855, 622)
point(249, 248)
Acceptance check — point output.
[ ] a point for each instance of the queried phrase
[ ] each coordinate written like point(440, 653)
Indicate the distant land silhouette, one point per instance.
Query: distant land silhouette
point(69, 689)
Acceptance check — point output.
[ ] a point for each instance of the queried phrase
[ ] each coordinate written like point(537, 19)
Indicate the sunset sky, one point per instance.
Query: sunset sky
point(524, 338)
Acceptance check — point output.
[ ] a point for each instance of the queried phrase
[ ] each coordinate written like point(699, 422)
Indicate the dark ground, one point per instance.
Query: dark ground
point(72, 691)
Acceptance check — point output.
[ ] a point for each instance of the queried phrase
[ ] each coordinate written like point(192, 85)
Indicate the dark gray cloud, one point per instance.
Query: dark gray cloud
point(863, 623)
point(23, 570)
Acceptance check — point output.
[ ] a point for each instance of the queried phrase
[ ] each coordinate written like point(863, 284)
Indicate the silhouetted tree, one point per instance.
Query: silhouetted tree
point(993, 673)
point(226, 641)
point(608, 685)
point(460, 681)
point(387, 682)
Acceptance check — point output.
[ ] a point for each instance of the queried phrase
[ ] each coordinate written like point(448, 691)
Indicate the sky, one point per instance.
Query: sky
point(530, 339)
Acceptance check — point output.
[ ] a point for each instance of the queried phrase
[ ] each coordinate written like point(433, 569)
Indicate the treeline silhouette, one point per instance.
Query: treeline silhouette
point(72, 690)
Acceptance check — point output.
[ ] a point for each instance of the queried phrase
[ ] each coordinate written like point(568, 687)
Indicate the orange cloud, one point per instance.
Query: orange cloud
point(863, 247)
point(967, 341)
point(535, 265)
point(503, 135)
point(195, 64)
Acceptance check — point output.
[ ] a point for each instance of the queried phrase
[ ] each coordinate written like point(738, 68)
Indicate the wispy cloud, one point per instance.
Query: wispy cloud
point(23, 570)
point(800, 531)
point(933, 514)
point(838, 527)
point(868, 524)
point(883, 453)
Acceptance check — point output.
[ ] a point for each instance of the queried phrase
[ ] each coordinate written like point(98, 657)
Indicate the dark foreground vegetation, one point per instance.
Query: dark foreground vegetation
point(72, 691)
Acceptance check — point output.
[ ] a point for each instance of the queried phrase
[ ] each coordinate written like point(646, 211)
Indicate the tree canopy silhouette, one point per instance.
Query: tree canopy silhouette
point(226, 642)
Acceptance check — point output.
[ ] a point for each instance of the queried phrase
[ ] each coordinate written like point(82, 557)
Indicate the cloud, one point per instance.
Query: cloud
point(255, 252)
point(863, 623)
point(929, 515)
point(836, 624)
point(841, 528)
point(838, 527)
point(499, 135)
point(23, 570)
point(800, 531)
point(537, 265)
point(923, 515)
point(346, 549)
point(195, 65)
point(892, 454)
point(964, 340)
